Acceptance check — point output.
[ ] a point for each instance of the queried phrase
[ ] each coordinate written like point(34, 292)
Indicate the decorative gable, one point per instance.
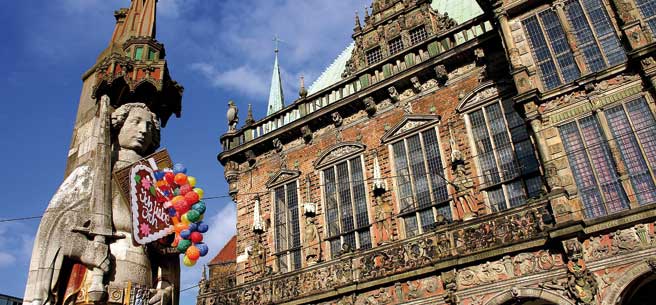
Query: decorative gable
point(408, 125)
point(338, 152)
point(284, 175)
point(482, 94)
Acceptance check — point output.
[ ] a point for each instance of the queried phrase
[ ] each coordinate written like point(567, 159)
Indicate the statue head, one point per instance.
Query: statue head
point(138, 128)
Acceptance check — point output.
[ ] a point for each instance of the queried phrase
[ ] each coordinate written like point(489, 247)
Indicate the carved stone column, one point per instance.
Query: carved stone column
point(517, 68)
point(559, 7)
point(631, 24)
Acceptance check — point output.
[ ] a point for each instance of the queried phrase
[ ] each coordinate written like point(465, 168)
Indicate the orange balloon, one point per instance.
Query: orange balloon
point(193, 253)
point(179, 227)
point(180, 179)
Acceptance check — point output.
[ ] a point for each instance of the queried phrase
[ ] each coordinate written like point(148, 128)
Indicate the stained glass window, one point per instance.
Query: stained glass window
point(347, 215)
point(287, 227)
point(505, 156)
point(422, 189)
point(648, 10)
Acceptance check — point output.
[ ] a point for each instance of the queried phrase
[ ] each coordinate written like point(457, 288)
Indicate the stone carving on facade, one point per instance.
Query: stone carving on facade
point(553, 179)
point(232, 116)
point(581, 283)
point(626, 9)
point(370, 106)
point(277, 145)
point(416, 84)
point(383, 216)
point(393, 94)
point(258, 222)
point(311, 242)
point(465, 199)
point(307, 134)
point(442, 74)
point(429, 84)
point(622, 241)
point(337, 119)
point(339, 152)
point(256, 255)
point(379, 297)
point(401, 257)
point(346, 300)
point(450, 287)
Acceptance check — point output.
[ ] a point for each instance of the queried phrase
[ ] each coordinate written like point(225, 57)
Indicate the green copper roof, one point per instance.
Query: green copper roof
point(276, 98)
point(459, 10)
point(333, 73)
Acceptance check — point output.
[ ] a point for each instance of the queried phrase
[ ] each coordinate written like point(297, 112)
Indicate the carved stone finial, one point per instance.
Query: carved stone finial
point(258, 223)
point(232, 116)
point(366, 16)
point(379, 185)
point(302, 92)
point(249, 116)
point(277, 145)
point(357, 27)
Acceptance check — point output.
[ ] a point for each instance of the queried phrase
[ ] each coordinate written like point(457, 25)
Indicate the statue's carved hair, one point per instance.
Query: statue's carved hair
point(121, 114)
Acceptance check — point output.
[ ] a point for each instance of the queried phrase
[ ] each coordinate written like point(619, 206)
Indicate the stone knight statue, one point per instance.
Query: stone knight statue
point(76, 256)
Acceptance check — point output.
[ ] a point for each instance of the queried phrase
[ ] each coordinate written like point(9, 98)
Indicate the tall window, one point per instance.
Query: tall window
point(594, 34)
point(648, 10)
point(347, 217)
point(553, 57)
point(287, 230)
point(418, 35)
point(633, 130)
point(505, 155)
point(422, 189)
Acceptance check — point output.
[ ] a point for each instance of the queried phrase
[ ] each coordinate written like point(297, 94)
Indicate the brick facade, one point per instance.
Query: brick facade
point(546, 244)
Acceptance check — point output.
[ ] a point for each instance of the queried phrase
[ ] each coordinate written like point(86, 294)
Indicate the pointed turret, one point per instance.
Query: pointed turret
point(276, 98)
point(137, 21)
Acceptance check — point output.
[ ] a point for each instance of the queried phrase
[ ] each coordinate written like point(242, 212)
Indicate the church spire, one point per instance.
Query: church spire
point(276, 98)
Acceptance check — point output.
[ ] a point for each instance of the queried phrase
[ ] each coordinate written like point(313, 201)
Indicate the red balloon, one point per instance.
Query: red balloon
point(185, 189)
point(169, 177)
point(192, 197)
point(196, 237)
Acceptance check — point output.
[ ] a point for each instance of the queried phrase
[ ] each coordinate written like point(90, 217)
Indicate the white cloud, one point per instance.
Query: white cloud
point(243, 79)
point(6, 259)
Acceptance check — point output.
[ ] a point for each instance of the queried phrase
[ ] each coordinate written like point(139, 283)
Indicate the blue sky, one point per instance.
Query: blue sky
point(218, 50)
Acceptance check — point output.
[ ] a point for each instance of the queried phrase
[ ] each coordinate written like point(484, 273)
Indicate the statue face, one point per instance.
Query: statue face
point(136, 133)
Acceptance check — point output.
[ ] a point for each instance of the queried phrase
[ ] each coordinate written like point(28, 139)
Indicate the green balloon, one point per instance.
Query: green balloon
point(200, 207)
point(193, 216)
point(183, 245)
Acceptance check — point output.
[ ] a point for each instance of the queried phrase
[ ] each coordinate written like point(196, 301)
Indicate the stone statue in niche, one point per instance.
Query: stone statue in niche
point(84, 248)
point(256, 255)
point(383, 216)
point(465, 201)
point(311, 242)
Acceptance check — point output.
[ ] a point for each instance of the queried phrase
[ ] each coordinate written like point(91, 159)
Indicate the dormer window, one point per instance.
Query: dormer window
point(418, 35)
point(374, 55)
point(395, 45)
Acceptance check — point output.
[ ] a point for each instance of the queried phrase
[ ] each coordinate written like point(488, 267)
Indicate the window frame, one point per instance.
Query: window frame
point(332, 164)
point(416, 39)
point(392, 43)
point(608, 137)
point(434, 205)
point(504, 182)
point(288, 252)
point(374, 55)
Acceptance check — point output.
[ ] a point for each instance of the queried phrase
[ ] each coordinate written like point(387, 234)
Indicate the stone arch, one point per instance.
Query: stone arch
point(532, 293)
point(617, 290)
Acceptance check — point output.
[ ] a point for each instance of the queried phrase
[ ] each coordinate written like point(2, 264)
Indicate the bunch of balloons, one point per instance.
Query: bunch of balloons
point(183, 201)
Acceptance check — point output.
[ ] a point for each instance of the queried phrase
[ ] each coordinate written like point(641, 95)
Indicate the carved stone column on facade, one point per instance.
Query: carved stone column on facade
point(559, 7)
point(582, 284)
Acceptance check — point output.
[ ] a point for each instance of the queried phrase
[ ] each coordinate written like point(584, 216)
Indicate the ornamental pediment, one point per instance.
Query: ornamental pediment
point(282, 176)
point(338, 152)
point(479, 96)
point(409, 125)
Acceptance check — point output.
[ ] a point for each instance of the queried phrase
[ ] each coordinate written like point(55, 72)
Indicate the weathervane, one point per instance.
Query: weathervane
point(277, 41)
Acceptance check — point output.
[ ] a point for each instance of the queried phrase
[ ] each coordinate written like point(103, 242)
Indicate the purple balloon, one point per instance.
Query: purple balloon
point(185, 234)
point(202, 247)
point(202, 227)
point(193, 227)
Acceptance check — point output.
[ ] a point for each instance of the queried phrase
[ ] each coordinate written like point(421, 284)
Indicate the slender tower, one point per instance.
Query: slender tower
point(82, 252)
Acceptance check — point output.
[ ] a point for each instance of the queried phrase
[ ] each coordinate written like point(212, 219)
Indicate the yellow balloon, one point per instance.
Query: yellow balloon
point(188, 262)
point(200, 192)
point(191, 180)
point(185, 220)
point(200, 218)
